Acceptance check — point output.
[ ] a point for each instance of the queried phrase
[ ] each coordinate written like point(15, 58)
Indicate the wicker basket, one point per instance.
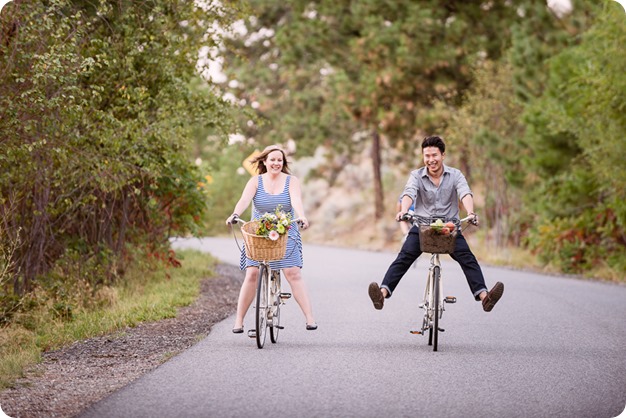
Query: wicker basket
point(432, 241)
point(260, 248)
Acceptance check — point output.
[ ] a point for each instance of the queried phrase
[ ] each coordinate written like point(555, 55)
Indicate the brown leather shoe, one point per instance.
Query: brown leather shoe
point(493, 296)
point(376, 295)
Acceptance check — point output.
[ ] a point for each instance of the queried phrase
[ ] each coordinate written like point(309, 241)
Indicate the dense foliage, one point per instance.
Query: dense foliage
point(353, 71)
point(577, 133)
point(102, 111)
point(548, 129)
point(530, 100)
point(96, 112)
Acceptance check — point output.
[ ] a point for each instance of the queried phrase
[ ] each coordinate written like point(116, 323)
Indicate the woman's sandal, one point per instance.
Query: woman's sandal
point(311, 327)
point(238, 330)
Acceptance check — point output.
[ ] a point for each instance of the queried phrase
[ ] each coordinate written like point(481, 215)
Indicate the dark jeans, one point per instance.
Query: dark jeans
point(411, 250)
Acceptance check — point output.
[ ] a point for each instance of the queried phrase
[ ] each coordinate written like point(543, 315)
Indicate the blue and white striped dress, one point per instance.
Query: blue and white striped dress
point(265, 202)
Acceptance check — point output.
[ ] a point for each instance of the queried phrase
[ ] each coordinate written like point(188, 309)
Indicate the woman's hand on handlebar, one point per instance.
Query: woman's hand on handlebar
point(232, 219)
point(303, 222)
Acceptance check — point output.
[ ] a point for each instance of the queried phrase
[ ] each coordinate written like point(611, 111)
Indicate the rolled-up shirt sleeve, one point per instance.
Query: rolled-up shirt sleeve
point(462, 188)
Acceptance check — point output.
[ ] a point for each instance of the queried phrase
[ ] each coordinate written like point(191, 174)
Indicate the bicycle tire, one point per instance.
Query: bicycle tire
point(428, 315)
point(275, 298)
point(436, 306)
point(261, 306)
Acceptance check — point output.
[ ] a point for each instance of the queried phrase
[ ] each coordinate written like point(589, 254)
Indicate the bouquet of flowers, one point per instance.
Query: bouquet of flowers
point(273, 225)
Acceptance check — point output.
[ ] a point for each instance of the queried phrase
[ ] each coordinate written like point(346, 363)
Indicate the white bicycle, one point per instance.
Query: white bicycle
point(269, 296)
point(433, 241)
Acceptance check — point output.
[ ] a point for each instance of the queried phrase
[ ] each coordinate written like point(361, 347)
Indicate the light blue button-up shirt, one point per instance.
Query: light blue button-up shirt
point(430, 200)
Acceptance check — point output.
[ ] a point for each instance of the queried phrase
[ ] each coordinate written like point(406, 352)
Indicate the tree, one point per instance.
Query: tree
point(487, 126)
point(377, 66)
point(579, 195)
point(96, 112)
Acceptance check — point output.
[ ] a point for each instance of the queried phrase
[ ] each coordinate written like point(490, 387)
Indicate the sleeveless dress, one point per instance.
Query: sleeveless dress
point(265, 202)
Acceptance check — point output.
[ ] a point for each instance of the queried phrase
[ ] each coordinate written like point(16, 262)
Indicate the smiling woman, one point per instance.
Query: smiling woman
point(274, 187)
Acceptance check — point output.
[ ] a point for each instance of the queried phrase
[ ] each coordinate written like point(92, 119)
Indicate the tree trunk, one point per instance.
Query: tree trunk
point(378, 182)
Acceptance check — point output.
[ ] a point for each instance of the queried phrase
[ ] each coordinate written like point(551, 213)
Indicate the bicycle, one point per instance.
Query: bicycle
point(434, 240)
point(269, 296)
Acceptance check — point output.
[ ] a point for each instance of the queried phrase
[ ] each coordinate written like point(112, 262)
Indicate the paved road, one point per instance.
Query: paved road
point(553, 347)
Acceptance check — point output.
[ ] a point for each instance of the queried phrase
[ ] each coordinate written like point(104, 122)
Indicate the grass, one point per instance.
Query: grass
point(149, 295)
point(508, 256)
point(524, 259)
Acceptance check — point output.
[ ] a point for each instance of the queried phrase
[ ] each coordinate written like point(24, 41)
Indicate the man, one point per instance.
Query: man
point(435, 190)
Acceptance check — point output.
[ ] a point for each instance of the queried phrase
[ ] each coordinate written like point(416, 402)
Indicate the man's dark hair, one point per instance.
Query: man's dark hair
point(434, 141)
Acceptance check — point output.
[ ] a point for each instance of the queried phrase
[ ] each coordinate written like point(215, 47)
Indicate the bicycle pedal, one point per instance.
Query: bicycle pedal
point(450, 299)
point(252, 333)
point(416, 332)
point(285, 295)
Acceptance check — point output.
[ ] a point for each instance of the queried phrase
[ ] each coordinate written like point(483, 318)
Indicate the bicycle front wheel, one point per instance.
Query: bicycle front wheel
point(261, 306)
point(436, 305)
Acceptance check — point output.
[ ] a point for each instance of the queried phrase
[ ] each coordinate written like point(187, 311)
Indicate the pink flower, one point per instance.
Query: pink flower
point(274, 235)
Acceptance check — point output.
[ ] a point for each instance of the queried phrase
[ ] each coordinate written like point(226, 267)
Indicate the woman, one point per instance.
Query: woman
point(272, 187)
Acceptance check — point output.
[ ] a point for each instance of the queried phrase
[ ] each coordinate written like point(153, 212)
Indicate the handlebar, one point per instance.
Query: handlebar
point(237, 219)
point(407, 217)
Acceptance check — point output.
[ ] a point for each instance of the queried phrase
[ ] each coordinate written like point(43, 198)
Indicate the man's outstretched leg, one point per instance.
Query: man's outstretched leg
point(474, 275)
point(407, 255)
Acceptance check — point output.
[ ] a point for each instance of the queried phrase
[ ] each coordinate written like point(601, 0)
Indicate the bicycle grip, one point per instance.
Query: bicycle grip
point(406, 217)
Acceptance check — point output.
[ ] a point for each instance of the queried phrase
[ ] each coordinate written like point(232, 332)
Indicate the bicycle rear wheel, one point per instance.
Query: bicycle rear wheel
point(261, 306)
point(275, 302)
point(436, 305)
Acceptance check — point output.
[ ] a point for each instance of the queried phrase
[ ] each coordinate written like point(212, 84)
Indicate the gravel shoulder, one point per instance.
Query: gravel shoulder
point(70, 379)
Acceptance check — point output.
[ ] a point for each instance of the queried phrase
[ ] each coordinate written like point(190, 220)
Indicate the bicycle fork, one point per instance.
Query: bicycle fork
point(276, 296)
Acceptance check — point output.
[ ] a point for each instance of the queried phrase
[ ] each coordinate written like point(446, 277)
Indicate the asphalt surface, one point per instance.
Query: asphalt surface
point(552, 347)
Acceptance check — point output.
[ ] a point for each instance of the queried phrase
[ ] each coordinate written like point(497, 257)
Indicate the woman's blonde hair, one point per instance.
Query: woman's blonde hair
point(260, 159)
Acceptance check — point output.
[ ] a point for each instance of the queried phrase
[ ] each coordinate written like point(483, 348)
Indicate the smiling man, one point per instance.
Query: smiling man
point(435, 191)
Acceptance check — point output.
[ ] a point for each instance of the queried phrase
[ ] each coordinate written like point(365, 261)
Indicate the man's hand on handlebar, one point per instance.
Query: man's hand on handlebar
point(405, 217)
point(474, 220)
